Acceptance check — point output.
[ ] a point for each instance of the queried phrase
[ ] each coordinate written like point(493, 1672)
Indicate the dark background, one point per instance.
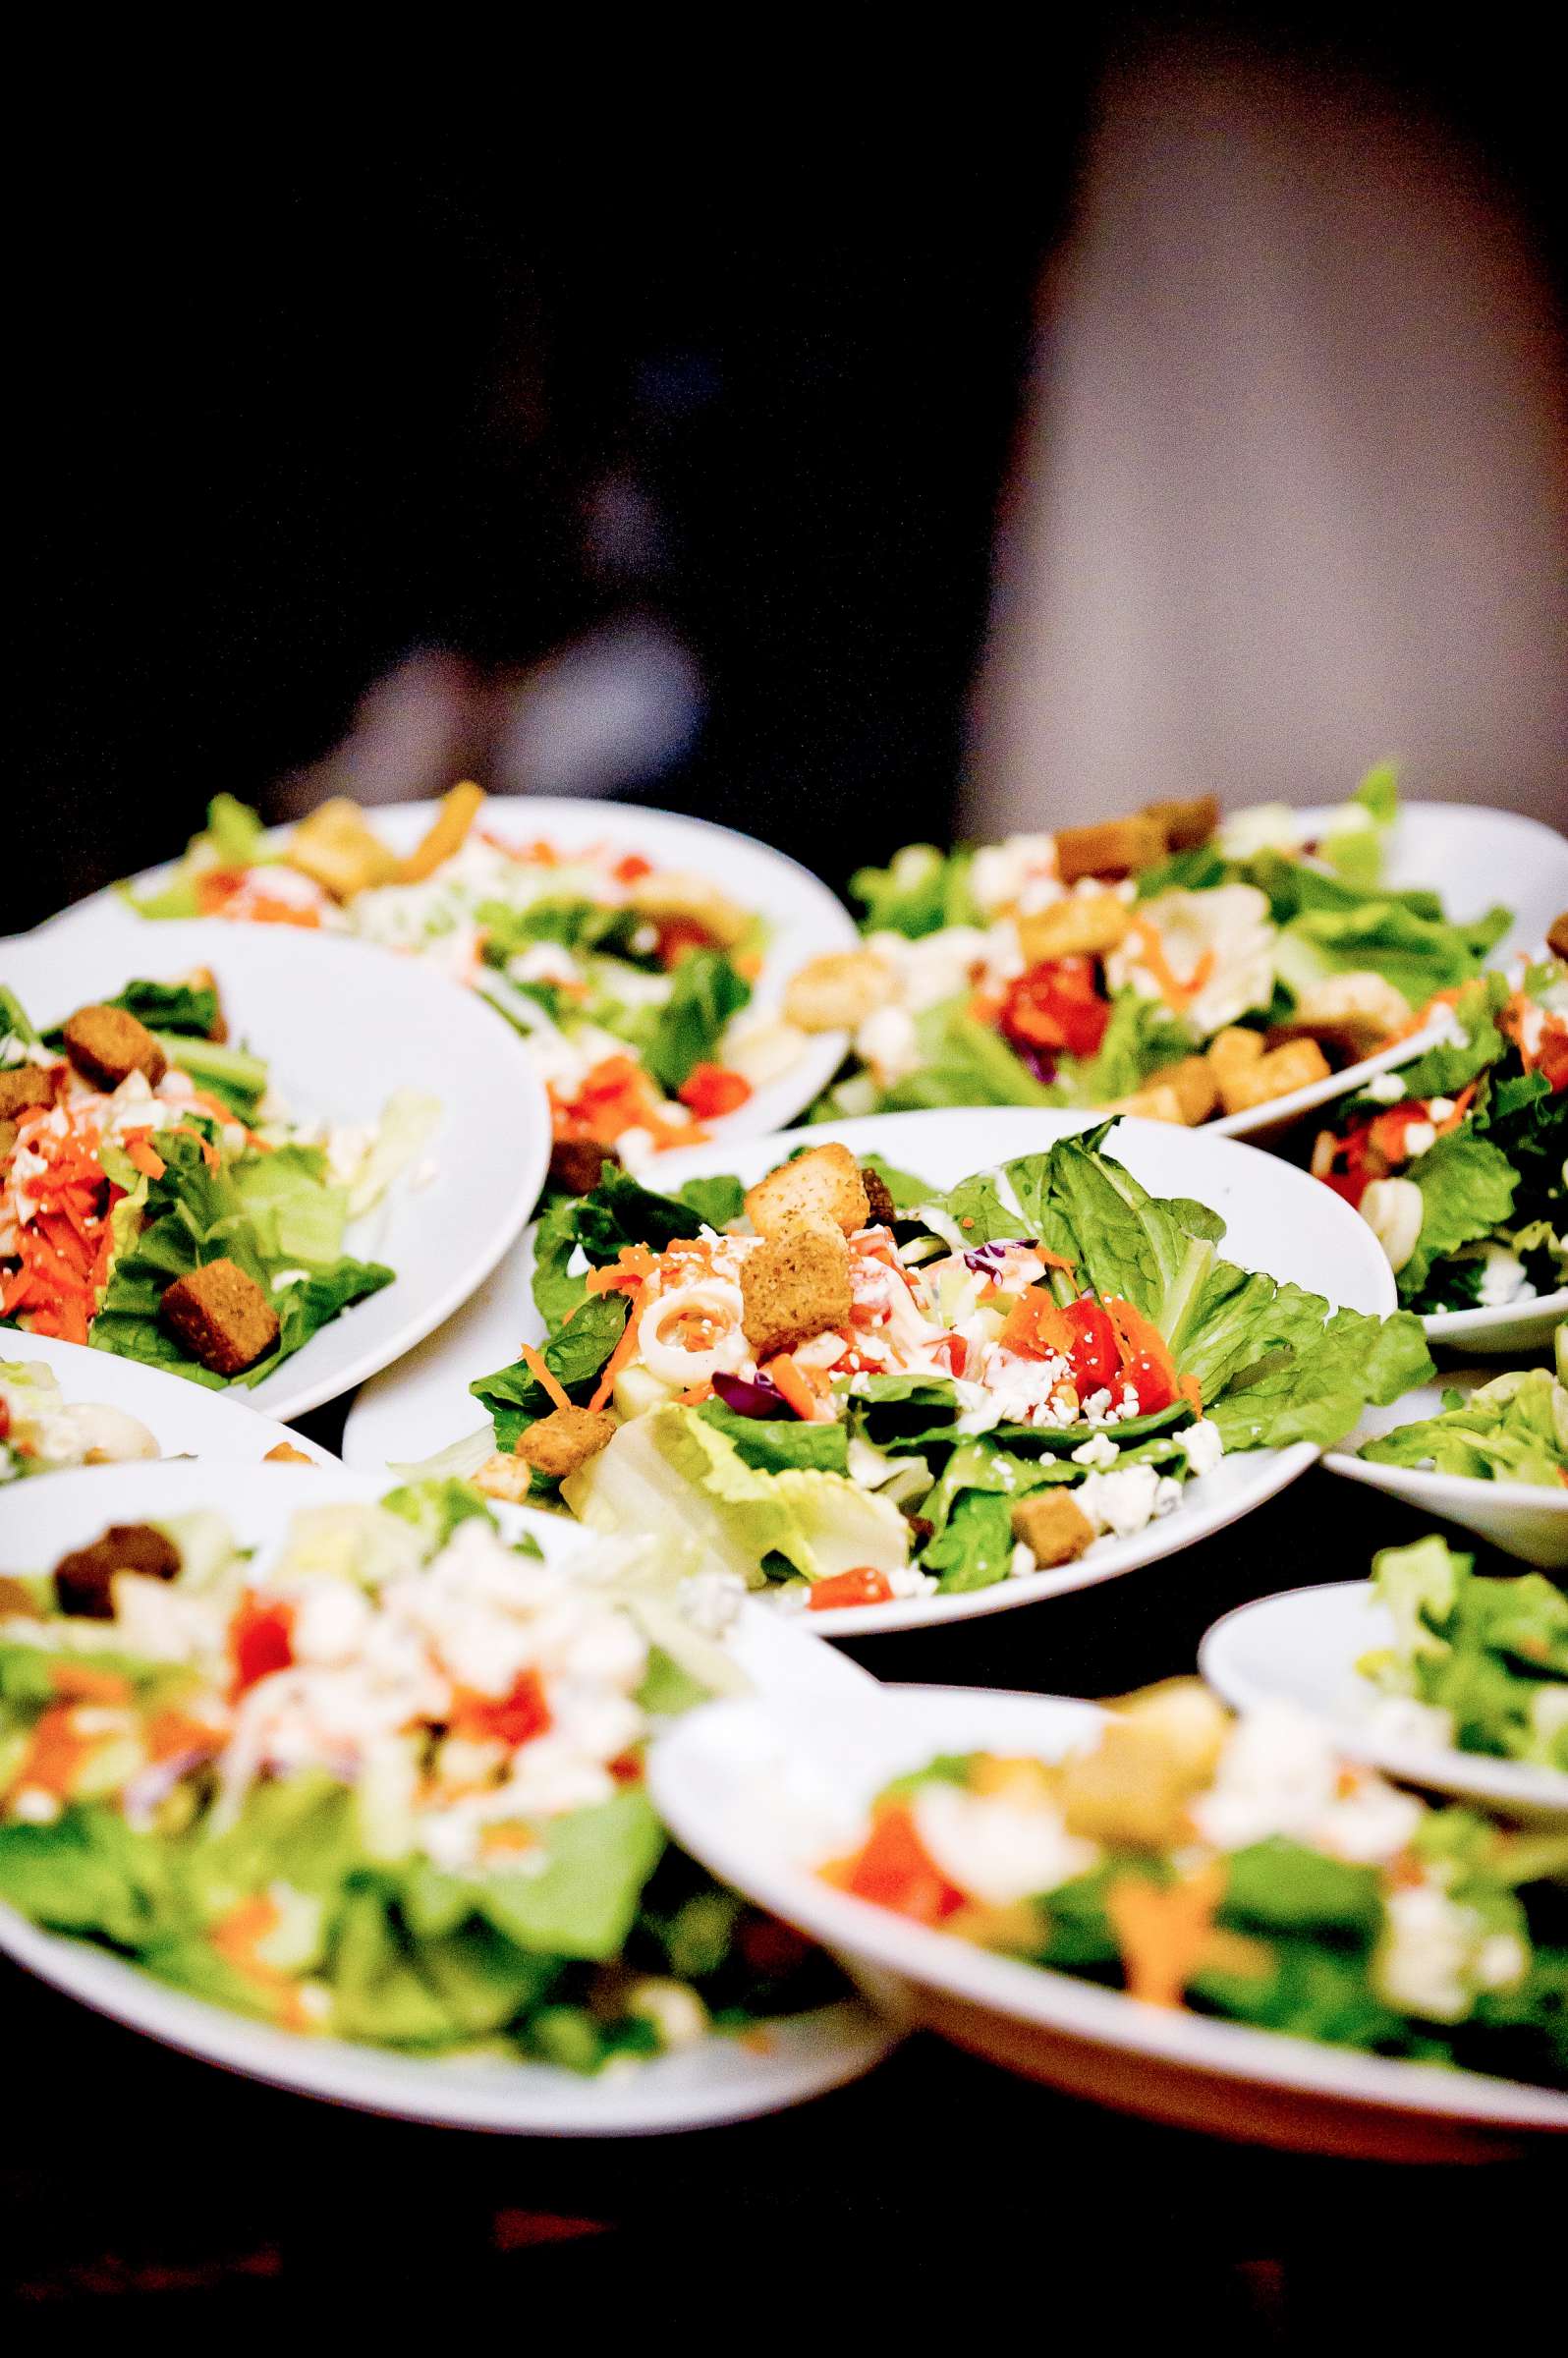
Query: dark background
point(298, 400)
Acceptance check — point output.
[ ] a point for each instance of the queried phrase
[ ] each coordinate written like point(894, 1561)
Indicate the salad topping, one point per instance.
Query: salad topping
point(1475, 1663)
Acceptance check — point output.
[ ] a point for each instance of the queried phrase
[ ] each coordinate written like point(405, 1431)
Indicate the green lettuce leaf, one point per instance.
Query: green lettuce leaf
point(919, 892)
point(707, 991)
point(1467, 1188)
point(1510, 1430)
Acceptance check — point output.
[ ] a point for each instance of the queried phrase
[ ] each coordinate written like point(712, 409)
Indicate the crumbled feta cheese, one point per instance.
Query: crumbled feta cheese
point(1425, 1962)
point(1386, 1088)
point(999, 1850)
point(1204, 1446)
point(1099, 1451)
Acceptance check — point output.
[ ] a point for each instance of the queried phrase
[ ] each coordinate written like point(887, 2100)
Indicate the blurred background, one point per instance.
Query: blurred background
point(1177, 405)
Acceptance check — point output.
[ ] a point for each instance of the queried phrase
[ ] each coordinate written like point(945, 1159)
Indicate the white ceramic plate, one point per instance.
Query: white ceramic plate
point(1519, 1517)
point(1516, 1327)
point(185, 1418)
point(718, 2080)
point(1276, 1219)
point(762, 1793)
point(805, 919)
point(343, 1026)
point(1304, 1645)
point(1472, 857)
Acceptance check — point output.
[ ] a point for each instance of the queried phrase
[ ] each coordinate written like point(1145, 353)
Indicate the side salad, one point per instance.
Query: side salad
point(157, 1200)
point(627, 979)
point(1477, 1664)
point(384, 1783)
point(1459, 1163)
point(846, 1386)
point(1168, 964)
point(1513, 1428)
point(41, 1432)
point(1241, 1869)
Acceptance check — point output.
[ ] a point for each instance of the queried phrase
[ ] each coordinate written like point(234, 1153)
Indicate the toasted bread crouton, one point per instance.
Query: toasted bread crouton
point(1156, 1102)
point(26, 1085)
point(1295, 1066)
point(794, 1286)
point(825, 1185)
point(880, 1209)
point(337, 849)
point(1357, 1011)
point(1557, 937)
point(84, 1581)
point(1053, 1527)
point(508, 1477)
point(222, 1315)
point(284, 1453)
point(577, 1164)
point(1084, 925)
point(672, 893)
point(9, 1134)
point(565, 1439)
point(1186, 824)
point(1117, 847)
point(105, 1045)
point(1229, 1055)
point(837, 991)
point(1152, 1758)
point(1193, 1081)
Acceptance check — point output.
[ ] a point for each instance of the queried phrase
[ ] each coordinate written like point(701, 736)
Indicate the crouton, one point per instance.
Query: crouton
point(880, 1209)
point(222, 1315)
point(577, 1164)
point(15, 1598)
point(1157, 1102)
point(9, 1134)
point(671, 893)
point(337, 849)
point(1193, 1080)
point(508, 1477)
point(1117, 847)
point(1229, 1055)
point(286, 1454)
point(26, 1085)
point(1135, 1786)
point(1084, 925)
point(794, 1286)
point(825, 1185)
point(1185, 825)
point(1557, 937)
point(447, 834)
point(565, 1439)
point(105, 1045)
point(84, 1581)
point(1358, 1011)
point(1053, 1527)
point(838, 990)
point(1275, 1075)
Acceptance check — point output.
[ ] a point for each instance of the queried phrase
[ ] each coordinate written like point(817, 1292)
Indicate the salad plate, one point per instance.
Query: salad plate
point(1237, 971)
point(55, 1394)
point(782, 1804)
point(310, 1540)
point(1523, 1518)
point(431, 1138)
point(1305, 1645)
point(532, 901)
point(1459, 1162)
point(421, 1414)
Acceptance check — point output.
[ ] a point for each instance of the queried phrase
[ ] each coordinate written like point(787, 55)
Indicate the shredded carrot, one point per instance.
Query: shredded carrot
point(633, 1266)
point(1037, 1327)
point(625, 1351)
point(791, 1381)
point(536, 1367)
point(1151, 950)
point(1163, 1935)
point(1191, 1392)
point(55, 1752)
point(447, 834)
point(209, 1153)
point(694, 1397)
point(1138, 1334)
point(85, 1682)
point(142, 1157)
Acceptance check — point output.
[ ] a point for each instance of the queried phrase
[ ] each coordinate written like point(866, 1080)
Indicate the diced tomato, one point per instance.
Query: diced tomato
point(955, 1350)
point(260, 1641)
point(678, 937)
point(1150, 1381)
point(1094, 1354)
point(512, 1718)
point(1057, 1006)
point(770, 1947)
point(710, 1089)
point(5, 1418)
point(896, 1871)
point(1351, 1185)
point(863, 1586)
point(633, 869)
point(1552, 1059)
